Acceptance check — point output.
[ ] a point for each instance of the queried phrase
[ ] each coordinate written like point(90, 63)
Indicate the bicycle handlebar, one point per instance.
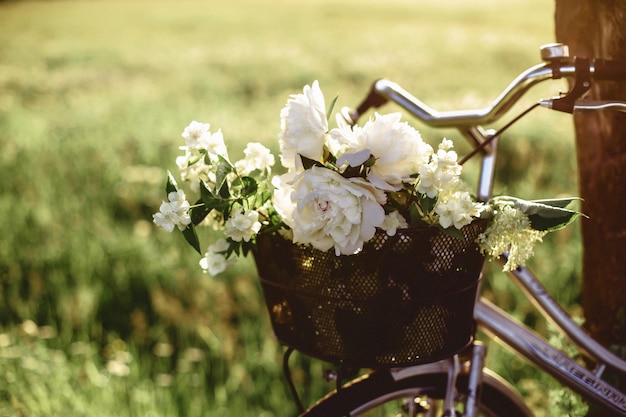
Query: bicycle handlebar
point(582, 70)
point(605, 69)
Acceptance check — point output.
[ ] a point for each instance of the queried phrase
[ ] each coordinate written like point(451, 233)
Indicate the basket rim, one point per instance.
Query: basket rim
point(434, 228)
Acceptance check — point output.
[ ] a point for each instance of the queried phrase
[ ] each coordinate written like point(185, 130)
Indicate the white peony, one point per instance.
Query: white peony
point(397, 147)
point(334, 212)
point(303, 127)
point(282, 202)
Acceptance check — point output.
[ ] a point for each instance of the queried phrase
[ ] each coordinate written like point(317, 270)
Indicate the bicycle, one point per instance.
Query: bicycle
point(439, 388)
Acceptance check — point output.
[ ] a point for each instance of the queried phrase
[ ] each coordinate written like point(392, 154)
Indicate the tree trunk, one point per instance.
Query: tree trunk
point(597, 28)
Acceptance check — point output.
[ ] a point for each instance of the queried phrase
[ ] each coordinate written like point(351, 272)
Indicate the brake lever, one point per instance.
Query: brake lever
point(582, 84)
point(589, 105)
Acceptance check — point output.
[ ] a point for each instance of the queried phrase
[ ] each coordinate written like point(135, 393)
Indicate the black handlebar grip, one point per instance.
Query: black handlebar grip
point(606, 69)
point(373, 100)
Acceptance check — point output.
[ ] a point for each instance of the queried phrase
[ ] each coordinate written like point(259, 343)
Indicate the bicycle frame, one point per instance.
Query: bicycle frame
point(491, 319)
point(540, 353)
point(526, 343)
point(535, 349)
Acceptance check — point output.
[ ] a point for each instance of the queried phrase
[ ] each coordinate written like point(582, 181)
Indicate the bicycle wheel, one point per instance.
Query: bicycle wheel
point(384, 394)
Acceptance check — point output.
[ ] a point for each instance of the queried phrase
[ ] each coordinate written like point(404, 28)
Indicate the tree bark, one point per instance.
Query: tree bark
point(597, 29)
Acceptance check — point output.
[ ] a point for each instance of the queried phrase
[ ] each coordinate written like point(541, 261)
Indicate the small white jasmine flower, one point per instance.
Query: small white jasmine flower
point(242, 225)
point(394, 221)
point(174, 213)
point(194, 133)
point(166, 218)
point(214, 261)
point(199, 140)
point(428, 182)
point(192, 167)
point(441, 173)
point(448, 170)
point(219, 246)
point(446, 145)
point(257, 157)
point(214, 145)
point(457, 209)
point(178, 198)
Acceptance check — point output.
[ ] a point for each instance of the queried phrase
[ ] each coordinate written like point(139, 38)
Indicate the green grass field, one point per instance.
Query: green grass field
point(101, 314)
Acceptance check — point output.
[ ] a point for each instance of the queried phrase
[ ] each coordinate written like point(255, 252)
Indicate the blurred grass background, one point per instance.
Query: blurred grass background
point(103, 314)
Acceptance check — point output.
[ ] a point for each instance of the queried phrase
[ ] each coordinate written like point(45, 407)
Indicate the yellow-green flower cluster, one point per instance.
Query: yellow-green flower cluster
point(510, 233)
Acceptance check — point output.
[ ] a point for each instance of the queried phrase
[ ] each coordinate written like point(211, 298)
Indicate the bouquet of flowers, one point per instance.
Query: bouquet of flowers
point(339, 187)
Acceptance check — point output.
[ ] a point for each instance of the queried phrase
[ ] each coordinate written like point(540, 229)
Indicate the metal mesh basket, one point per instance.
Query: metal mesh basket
point(403, 300)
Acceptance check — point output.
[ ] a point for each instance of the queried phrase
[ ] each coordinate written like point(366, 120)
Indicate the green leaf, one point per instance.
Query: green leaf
point(205, 193)
point(171, 185)
point(414, 216)
point(192, 237)
point(265, 196)
point(223, 169)
point(246, 247)
point(198, 212)
point(428, 204)
point(210, 200)
point(557, 202)
point(331, 107)
point(249, 186)
point(224, 191)
point(545, 215)
point(552, 222)
point(234, 247)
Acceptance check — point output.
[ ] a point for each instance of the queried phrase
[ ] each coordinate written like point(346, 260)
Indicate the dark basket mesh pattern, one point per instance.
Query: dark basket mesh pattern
point(403, 300)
